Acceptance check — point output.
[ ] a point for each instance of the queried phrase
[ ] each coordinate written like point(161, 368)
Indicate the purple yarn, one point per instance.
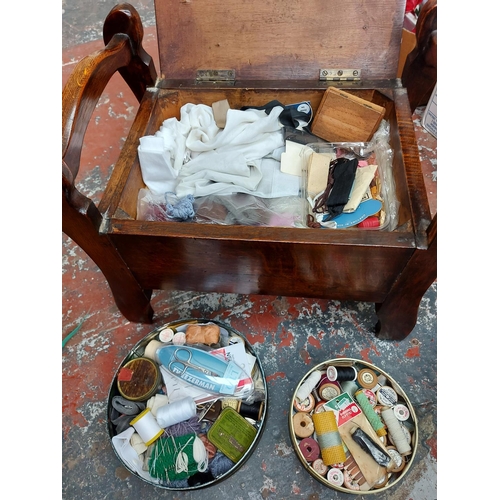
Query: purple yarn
point(220, 464)
point(183, 428)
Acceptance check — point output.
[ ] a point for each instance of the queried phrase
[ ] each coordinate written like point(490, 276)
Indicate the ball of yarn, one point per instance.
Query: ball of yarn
point(182, 210)
point(220, 464)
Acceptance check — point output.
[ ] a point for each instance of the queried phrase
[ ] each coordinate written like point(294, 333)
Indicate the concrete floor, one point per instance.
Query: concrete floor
point(290, 335)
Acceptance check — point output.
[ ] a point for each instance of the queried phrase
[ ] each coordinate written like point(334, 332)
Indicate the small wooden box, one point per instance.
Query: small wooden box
point(250, 54)
point(344, 117)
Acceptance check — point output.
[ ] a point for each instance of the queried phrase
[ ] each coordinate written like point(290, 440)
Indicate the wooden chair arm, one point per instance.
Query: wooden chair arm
point(123, 33)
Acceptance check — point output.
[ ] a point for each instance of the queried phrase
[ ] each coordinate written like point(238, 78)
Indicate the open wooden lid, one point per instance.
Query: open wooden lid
point(280, 39)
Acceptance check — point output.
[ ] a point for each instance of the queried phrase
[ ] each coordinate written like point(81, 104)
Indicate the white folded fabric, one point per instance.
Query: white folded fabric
point(198, 158)
point(161, 156)
point(269, 182)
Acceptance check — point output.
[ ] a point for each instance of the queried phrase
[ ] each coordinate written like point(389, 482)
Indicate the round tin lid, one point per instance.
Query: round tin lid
point(359, 473)
point(136, 380)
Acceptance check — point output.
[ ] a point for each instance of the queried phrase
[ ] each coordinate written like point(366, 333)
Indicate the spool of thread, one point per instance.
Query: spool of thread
point(320, 407)
point(329, 390)
point(308, 385)
point(371, 397)
point(396, 432)
point(335, 476)
point(401, 412)
point(342, 373)
point(306, 405)
point(166, 335)
point(310, 449)
point(399, 463)
point(329, 440)
point(176, 412)
point(253, 411)
point(319, 466)
point(367, 378)
point(147, 427)
point(350, 387)
point(382, 482)
point(303, 425)
point(387, 396)
point(372, 417)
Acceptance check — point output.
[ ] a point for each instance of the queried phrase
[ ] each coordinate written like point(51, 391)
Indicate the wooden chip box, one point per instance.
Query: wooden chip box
point(251, 53)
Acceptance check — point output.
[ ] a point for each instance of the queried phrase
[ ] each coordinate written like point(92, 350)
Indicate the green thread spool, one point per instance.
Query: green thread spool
point(372, 417)
point(329, 440)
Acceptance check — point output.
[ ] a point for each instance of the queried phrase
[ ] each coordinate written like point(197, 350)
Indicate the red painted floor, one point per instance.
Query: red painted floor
point(290, 336)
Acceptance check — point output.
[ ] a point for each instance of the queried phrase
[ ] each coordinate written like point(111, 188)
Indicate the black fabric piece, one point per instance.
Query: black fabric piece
point(289, 117)
point(200, 478)
point(267, 107)
point(371, 447)
point(344, 171)
point(300, 136)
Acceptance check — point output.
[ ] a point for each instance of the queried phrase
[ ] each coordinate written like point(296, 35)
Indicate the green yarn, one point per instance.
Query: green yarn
point(369, 412)
point(166, 454)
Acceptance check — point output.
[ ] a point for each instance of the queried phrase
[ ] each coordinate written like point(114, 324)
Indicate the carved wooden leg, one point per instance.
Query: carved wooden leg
point(132, 301)
point(398, 313)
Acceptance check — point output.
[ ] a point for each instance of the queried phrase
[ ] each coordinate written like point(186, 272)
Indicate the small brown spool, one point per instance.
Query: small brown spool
point(303, 425)
point(367, 378)
point(139, 379)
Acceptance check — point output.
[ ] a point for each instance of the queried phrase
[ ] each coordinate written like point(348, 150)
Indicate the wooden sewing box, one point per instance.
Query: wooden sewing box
point(250, 52)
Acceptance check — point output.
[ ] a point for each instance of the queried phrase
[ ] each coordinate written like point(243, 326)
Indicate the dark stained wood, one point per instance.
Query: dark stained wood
point(386, 268)
point(420, 70)
point(140, 72)
point(398, 312)
point(81, 219)
point(81, 226)
point(266, 267)
point(282, 39)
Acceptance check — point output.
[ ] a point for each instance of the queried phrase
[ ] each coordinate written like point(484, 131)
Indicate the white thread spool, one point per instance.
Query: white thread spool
point(147, 427)
point(166, 335)
point(308, 385)
point(397, 434)
point(176, 412)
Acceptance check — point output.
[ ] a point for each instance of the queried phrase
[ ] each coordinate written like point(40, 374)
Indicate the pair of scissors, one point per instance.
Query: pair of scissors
point(186, 363)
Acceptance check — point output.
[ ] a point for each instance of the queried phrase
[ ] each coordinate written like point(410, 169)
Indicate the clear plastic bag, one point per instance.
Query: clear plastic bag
point(248, 210)
point(205, 370)
point(382, 187)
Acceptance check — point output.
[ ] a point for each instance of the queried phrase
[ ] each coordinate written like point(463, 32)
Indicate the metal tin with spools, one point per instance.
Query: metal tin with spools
point(141, 378)
point(361, 473)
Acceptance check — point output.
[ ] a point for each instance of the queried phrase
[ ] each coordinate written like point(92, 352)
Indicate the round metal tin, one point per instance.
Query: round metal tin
point(139, 351)
point(396, 474)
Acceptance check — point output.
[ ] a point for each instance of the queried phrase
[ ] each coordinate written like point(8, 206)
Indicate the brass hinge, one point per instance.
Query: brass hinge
point(216, 75)
point(340, 75)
